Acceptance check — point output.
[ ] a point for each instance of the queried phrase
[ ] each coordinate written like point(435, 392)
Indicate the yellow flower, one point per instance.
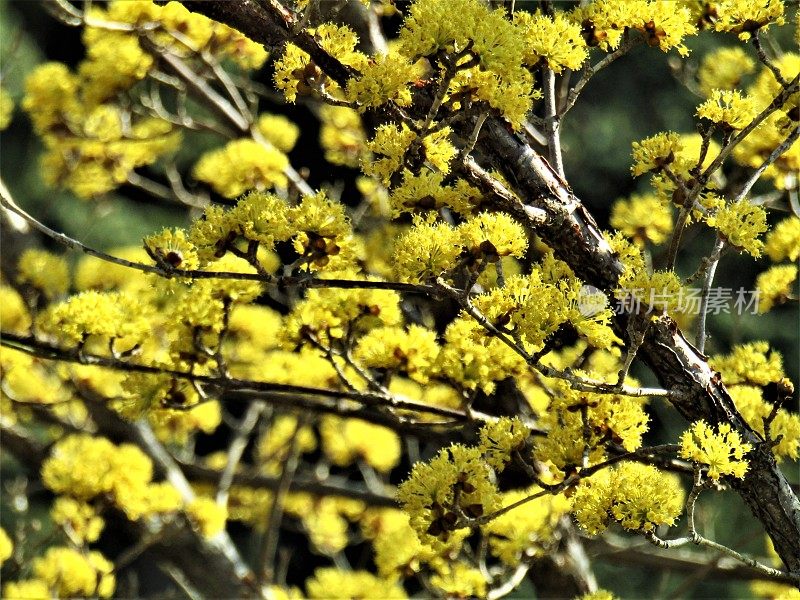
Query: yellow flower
point(334, 313)
point(6, 547)
point(639, 497)
point(744, 17)
point(723, 69)
point(643, 218)
point(27, 589)
point(654, 153)
point(426, 251)
point(207, 516)
point(341, 135)
point(74, 574)
point(500, 439)
point(385, 77)
point(471, 358)
point(6, 108)
point(554, 40)
point(501, 79)
point(457, 580)
point(493, 235)
point(278, 131)
point(47, 272)
point(348, 440)
point(728, 108)
point(749, 363)
point(784, 240)
point(722, 451)
point(14, 317)
point(330, 583)
point(412, 351)
point(775, 285)
point(528, 531)
point(240, 166)
point(455, 482)
point(173, 248)
point(785, 426)
point(79, 520)
point(741, 223)
point(660, 292)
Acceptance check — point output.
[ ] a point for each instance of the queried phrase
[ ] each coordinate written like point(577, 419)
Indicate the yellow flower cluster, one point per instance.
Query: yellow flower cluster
point(439, 494)
point(6, 108)
point(207, 516)
point(741, 223)
point(341, 135)
point(66, 573)
point(412, 351)
point(553, 40)
point(535, 306)
point(330, 583)
point(642, 218)
point(318, 228)
point(295, 73)
point(14, 317)
point(662, 23)
point(776, 127)
point(785, 426)
point(240, 166)
point(471, 358)
point(784, 240)
point(458, 580)
point(722, 451)
point(500, 439)
point(46, 272)
point(723, 69)
point(346, 441)
point(28, 379)
point(501, 78)
point(326, 314)
point(278, 131)
point(745, 17)
point(728, 108)
point(78, 519)
point(639, 497)
point(620, 419)
point(91, 148)
point(109, 315)
point(385, 77)
point(775, 286)
point(432, 249)
point(750, 363)
point(85, 468)
point(116, 60)
point(526, 532)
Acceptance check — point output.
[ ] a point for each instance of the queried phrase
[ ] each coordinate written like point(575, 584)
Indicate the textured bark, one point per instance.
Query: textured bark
point(574, 235)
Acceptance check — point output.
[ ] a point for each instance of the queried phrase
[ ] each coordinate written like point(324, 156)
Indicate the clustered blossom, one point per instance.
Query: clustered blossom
point(741, 223)
point(722, 451)
point(524, 309)
point(639, 497)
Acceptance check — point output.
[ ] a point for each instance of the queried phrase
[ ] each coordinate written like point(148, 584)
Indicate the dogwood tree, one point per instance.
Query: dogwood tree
point(442, 378)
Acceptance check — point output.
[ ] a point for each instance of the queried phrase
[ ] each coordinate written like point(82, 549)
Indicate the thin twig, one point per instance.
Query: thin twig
point(269, 541)
point(774, 155)
point(588, 72)
point(713, 261)
point(236, 450)
point(696, 538)
point(552, 122)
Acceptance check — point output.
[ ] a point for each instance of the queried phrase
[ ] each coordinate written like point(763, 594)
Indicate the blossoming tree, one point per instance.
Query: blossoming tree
point(425, 387)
